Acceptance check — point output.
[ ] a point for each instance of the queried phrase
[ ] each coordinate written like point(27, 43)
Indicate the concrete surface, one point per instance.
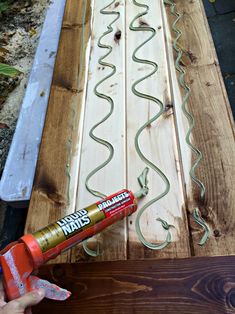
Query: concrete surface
point(221, 18)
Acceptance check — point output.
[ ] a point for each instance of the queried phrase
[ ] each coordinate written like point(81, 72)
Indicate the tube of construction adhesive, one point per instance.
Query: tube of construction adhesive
point(60, 236)
point(20, 259)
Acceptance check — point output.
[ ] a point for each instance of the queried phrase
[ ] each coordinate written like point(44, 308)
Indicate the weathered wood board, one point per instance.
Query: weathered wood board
point(76, 109)
point(195, 285)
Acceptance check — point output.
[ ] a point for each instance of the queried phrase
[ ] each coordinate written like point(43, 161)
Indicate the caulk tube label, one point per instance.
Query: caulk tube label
point(116, 202)
point(65, 228)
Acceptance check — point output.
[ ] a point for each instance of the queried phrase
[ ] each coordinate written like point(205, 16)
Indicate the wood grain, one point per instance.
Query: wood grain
point(163, 142)
point(112, 177)
point(185, 286)
point(213, 134)
point(49, 200)
point(158, 142)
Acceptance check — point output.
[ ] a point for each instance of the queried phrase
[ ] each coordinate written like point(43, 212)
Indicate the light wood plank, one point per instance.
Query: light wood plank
point(158, 143)
point(49, 200)
point(213, 134)
point(112, 177)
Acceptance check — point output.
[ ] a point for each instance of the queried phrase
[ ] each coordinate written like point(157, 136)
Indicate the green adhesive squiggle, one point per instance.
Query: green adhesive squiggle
point(165, 225)
point(111, 103)
point(190, 118)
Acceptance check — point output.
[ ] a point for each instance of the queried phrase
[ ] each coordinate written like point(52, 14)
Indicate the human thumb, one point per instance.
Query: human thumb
point(31, 298)
point(21, 304)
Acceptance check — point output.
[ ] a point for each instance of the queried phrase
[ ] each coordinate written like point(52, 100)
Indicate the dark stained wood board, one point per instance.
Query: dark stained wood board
point(49, 200)
point(186, 286)
point(213, 133)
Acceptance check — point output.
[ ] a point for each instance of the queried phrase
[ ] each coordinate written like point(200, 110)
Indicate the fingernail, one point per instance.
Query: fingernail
point(41, 293)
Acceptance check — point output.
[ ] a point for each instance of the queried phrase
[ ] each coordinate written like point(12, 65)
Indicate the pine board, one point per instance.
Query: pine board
point(112, 241)
point(158, 142)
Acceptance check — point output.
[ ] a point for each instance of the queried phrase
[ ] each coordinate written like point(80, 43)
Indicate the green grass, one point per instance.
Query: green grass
point(8, 70)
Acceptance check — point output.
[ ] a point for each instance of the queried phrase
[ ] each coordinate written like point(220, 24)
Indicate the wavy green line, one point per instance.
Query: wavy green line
point(148, 123)
point(110, 101)
point(103, 96)
point(190, 118)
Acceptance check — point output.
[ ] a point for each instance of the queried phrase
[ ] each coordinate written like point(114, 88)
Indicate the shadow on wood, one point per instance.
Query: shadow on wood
point(194, 285)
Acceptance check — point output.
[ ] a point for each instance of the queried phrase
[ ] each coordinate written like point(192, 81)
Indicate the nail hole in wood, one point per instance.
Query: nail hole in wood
point(117, 36)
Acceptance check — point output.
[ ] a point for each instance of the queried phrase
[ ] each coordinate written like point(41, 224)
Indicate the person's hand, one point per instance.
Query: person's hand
point(20, 305)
